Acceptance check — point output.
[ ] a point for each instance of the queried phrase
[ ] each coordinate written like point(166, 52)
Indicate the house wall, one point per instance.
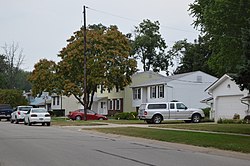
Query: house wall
point(191, 91)
point(227, 101)
point(67, 103)
point(138, 78)
point(186, 89)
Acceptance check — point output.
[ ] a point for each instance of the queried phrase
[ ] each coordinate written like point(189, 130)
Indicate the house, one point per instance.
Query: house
point(188, 88)
point(43, 101)
point(117, 100)
point(228, 99)
point(62, 105)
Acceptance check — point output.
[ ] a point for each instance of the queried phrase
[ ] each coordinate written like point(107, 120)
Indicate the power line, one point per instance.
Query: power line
point(134, 20)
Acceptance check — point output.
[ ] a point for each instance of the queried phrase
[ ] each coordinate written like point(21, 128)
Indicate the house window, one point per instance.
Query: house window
point(58, 100)
point(118, 104)
point(110, 104)
point(161, 91)
point(153, 92)
point(102, 104)
point(136, 93)
point(54, 100)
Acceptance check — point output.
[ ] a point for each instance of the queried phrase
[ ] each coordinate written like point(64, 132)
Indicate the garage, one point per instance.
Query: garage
point(228, 106)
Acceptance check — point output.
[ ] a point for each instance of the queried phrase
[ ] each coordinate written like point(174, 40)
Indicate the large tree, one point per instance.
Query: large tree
point(221, 21)
point(191, 56)
point(150, 47)
point(43, 77)
point(108, 62)
point(242, 76)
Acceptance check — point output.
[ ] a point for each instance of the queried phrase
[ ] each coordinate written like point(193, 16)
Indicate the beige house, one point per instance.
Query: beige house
point(118, 100)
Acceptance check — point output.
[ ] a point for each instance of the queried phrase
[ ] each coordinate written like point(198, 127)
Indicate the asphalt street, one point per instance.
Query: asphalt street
point(22, 145)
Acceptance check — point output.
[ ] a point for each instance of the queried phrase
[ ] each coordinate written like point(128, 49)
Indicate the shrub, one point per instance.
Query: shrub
point(231, 121)
point(206, 111)
point(126, 115)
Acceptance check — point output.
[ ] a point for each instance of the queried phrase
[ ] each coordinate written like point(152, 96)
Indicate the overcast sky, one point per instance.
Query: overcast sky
point(41, 27)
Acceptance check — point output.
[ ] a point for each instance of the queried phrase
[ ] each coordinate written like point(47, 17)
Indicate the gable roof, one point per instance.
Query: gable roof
point(163, 80)
point(218, 82)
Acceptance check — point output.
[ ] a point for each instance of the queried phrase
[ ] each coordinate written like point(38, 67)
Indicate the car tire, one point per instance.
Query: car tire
point(48, 123)
point(29, 123)
point(157, 119)
point(43, 124)
point(100, 119)
point(11, 121)
point(78, 117)
point(196, 118)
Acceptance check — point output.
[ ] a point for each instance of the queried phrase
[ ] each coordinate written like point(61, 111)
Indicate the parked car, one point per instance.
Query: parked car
point(37, 115)
point(91, 115)
point(157, 112)
point(5, 111)
point(19, 113)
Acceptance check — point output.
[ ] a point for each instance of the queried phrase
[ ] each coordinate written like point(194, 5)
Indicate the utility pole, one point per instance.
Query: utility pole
point(85, 63)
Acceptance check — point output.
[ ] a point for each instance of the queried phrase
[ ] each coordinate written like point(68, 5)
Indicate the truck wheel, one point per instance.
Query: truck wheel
point(196, 118)
point(157, 119)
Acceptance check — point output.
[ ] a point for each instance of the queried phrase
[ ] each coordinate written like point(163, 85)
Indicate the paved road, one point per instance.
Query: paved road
point(52, 146)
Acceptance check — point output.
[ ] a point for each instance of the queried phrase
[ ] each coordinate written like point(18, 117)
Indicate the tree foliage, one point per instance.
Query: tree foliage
point(108, 64)
point(221, 21)
point(13, 97)
point(11, 75)
point(192, 56)
point(242, 77)
point(43, 77)
point(150, 47)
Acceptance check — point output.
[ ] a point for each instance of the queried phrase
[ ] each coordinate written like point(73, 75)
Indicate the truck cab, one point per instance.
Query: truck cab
point(157, 112)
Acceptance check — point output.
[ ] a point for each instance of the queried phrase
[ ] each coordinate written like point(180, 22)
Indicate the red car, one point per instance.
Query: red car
point(91, 115)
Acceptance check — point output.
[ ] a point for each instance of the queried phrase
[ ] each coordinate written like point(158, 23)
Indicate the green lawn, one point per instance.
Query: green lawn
point(228, 128)
point(68, 122)
point(219, 141)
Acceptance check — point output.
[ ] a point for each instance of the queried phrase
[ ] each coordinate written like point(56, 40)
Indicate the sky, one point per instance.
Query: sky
point(41, 27)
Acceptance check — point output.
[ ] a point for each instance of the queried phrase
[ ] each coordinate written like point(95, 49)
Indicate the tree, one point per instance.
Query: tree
point(150, 47)
point(10, 61)
point(108, 62)
point(13, 97)
point(3, 73)
point(193, 56)
point(242, 77)
point(221, 21)
point(43, 77)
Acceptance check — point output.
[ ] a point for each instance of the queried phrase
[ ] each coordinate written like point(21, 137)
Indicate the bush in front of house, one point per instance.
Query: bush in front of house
point(206, 111)
point(126, 115)
point(232, 121)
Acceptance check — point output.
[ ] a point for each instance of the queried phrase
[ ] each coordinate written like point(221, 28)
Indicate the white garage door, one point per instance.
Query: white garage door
point(228, 106)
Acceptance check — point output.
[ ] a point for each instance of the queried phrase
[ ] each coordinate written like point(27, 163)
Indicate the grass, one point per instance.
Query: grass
point(227, 128)
point(219, 141)
point(67, 122)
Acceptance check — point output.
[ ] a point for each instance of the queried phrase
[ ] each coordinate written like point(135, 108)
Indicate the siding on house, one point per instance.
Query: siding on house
point(227, 99)
point(188, 88)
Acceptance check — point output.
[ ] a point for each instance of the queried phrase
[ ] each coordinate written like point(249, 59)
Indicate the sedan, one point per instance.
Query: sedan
point(37, 115)
point(91, 115)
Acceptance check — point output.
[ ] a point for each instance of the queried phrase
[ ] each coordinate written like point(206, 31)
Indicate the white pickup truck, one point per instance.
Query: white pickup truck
point(157, 112)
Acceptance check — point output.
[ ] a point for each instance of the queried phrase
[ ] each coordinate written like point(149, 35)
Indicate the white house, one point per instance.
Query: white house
point(227, 99)
point(62, 105)
point(188, 88)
